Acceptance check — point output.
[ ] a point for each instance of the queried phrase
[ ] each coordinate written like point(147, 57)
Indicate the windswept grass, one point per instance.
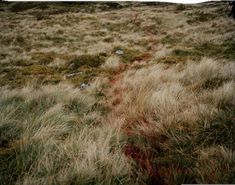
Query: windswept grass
point(116, 93)
point(112, 64)
point(56, 135)
point(174, 116)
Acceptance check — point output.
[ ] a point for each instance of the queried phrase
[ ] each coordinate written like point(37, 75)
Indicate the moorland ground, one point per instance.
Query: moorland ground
point(116, 93)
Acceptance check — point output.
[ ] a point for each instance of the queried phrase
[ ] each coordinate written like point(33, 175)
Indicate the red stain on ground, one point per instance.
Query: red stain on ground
point(144, 162)
point(144, 57)
point(143, 158)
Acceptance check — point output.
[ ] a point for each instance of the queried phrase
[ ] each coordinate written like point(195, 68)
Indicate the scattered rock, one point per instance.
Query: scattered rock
point(73, 75)
point(84, 86)
point(119, 52)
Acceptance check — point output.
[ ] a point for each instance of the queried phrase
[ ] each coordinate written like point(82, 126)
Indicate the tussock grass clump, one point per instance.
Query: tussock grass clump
point(212, 161)
point(146, 106)
point(53, 135)
point(171, 124)
point(113, 63)
point(208, 74)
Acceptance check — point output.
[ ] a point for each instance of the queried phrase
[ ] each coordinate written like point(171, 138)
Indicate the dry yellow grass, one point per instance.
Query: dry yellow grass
point(73, 110)
point(58, 131)
point(112, 64)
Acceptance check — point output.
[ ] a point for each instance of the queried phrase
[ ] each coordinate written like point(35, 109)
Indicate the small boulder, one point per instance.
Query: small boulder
point(84, 86)
point(119, 52)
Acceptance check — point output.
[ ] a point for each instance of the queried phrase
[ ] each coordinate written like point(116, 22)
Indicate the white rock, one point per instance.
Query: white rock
point(119, 52)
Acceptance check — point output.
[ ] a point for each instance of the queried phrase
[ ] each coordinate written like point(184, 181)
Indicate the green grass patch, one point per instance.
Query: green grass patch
point(21, 7)
point(208, 49)
point(129, 55)
point(180, 7)
point(172, 59)
point(180, 55)
point(78, 107)
point(22, 63)
point(220, 132)
point(92, 61)
point(19, 76)
point(85, 77)
point(224, 50)
point(172, 39)
point(36, 70)
point(200, 16)
point(116, 27)
point(45, 58)
point(181, 52)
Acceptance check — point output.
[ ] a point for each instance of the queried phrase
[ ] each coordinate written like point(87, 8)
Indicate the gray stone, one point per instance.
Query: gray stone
point(73, 74)
point(84, 86)
point(119, 52)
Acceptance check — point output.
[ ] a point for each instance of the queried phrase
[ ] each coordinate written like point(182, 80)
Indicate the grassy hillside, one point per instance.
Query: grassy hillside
point(116, 93)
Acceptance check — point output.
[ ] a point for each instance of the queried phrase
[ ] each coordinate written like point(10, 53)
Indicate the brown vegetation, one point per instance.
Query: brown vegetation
point(116, 93)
